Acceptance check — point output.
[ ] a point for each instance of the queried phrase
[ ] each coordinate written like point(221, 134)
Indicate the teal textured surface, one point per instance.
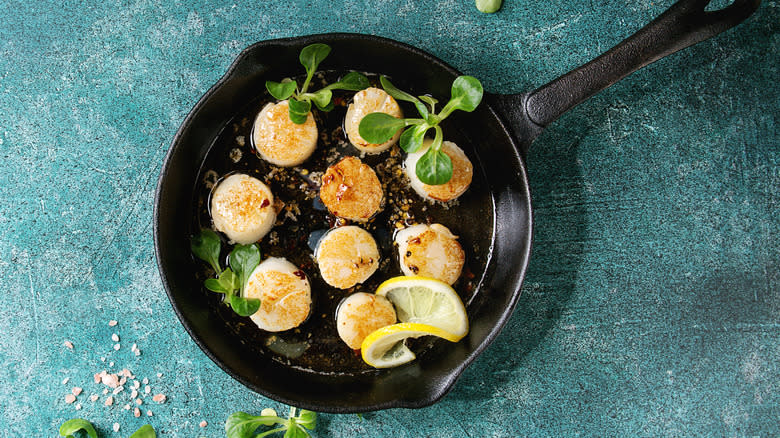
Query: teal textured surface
point(652, 301)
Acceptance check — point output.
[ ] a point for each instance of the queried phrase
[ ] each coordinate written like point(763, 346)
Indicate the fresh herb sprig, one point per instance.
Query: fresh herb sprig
point(243, 425)
point(207, 246)
point(434, 167)
point(299, 98)
point(73, 426)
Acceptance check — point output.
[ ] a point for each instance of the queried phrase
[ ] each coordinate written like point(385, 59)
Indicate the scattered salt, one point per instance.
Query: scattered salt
point(76, 390)
point(147, 389)
point(139, 402)
point(159, 375)
point(116, 427)
point(116, 347)
point(149, 413)
point(70, 398)
point(159, 398)
point(68, 344)
point(127, 407)
point(93, 397)
point(136, 412)
point(112, 323)
point(203, 423)
point(65, 380)
point(78, 406)
point(146, 381)
point(115, 337)
point(109, 401)
point(134, 394)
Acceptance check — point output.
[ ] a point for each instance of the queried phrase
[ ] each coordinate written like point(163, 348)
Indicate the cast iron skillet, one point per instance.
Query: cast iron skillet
point(500, 131)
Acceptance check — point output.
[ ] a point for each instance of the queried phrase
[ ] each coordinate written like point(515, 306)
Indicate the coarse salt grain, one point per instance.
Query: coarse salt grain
point(139, 402)
point(105, 391)
point(116, 427)
point(76, 390)
point(111, 364)
point(127, 407)
point(149, 413)
point(136, 384)
point(159, 375)
point(134, 394)
point(68, 344)
point(159, 398)
point(78, 406)
point(109, 401)
point(146, 381)
point(115, 337)
point(203, 423)
point(65, 380)
point(70, 398)
point(137, 352)
point(110, 380)
point(93, 397)
point(118, 390)
point(112, 323)
point(116, 347)
point(136, 412)
point(147, 390)
point(123, 380)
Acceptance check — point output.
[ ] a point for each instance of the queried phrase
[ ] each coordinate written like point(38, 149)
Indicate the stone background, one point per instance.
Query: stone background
point(652, 302)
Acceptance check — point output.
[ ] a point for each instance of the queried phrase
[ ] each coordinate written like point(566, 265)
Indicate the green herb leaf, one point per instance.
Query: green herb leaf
point(379, 127)
point(488, 6)
point(206, 245)
point(244, 306)
point(228, 280)
point(243, 260)
point(327, 108)
point(214, 285)
point(395, 92)
point(352, 81)
point(295, 431)
point(430, 101)
point(312, 55)
point(299, 111)
point(322, 98)
point(241, 425)
point(145, 431)
point(412, 138)
point(434, 167)
point(281, 90)
point(74, 425)
point(466, 93)
point(307, 419)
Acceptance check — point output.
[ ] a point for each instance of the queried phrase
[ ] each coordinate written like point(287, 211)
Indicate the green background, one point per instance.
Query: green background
point(652, 301)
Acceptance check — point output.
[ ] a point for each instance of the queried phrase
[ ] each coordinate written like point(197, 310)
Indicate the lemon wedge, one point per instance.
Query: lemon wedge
point(385, 348)
point(427, 301)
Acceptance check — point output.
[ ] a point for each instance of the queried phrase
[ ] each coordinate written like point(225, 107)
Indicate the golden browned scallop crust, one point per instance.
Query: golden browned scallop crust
point(430, 251)
point(280, 141)
point(284, 292)
point(351, 190)
point(361, 314)
point(242, 208)
point(462, 173)
point(365, 102)
point(347, 256)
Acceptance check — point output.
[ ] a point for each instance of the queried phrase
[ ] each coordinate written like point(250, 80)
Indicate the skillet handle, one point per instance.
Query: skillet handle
point(682, 25)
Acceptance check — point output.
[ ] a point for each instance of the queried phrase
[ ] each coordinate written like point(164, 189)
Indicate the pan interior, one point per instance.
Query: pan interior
point(492, 219)
point(315, 346)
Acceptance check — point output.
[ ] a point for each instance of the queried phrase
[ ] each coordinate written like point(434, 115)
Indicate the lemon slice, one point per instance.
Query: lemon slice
point(385, 348)
point(427, 301)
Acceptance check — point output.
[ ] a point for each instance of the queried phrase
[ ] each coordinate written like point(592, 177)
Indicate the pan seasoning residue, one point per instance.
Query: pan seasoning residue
point(302, 219)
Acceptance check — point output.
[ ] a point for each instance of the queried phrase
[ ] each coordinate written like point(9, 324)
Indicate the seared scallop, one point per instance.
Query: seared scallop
point(280, 141)
point(430, 251)
point(462, 172)
point(351, 190)
point(361, 314)
point(284, 293)
point(347, 256)
point(370, 100)
point(242, 208)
